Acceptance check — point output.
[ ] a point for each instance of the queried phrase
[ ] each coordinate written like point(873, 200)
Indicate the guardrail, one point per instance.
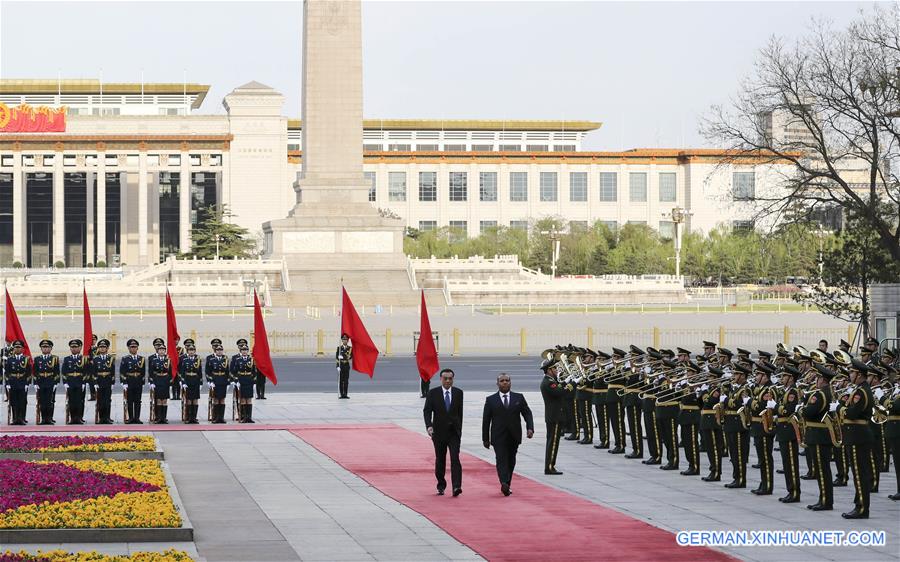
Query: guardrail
point(522, 341)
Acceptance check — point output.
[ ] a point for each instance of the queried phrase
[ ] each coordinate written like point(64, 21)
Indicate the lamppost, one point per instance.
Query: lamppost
point(218, 237)
point(821, 233)
point(678, 215)
point(554, 235)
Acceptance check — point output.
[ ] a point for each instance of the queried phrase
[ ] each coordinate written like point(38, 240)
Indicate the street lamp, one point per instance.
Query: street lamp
point(218, 237)
point(555, 236)
point(678, 216)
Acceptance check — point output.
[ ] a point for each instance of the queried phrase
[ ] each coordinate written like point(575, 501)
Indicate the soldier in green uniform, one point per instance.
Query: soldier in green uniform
point(632, 401)
point(600, 389)
point(103, 372)
point(881, 453)
point(735, 433)
point(857, 438)
point(710, 424)
point(818, 439)
point(343, 358)
point(786, 435)
point(763, 403)
point(667, 418)
point(648, 407)
point(891, 402)
point(615, 381)
point(18, 377)
point(583, 397)
point(689, 421)
point(554, 393)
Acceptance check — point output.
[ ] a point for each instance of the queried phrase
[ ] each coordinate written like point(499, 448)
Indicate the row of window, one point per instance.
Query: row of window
point(401, 147)
point(111, 160)
point(666, 229)
point(458, 184)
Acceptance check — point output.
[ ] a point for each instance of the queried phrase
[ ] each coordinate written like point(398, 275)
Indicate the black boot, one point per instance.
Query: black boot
point(249, 410)
point(163, 414)
point(219, 413)
point(137, 413)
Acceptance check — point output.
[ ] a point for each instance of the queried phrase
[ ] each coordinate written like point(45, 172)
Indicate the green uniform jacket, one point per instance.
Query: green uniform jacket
point(816, 408)
point(554, 395)
point(857, 415)
point(784, 431)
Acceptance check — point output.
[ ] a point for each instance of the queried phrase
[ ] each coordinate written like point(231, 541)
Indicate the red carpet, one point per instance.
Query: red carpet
point(154, 428)
point(537, 522)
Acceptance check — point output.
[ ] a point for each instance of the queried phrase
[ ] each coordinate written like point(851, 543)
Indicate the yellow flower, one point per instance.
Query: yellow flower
point(170, 555)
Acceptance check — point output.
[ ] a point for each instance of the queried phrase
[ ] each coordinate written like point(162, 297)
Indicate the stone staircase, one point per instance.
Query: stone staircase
point(370, 287)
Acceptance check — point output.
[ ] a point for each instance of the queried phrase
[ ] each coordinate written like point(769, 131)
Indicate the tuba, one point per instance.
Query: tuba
point(768, 420)
point(834, 427)
point(879, 414)
point(818, 357)
point(843, 358)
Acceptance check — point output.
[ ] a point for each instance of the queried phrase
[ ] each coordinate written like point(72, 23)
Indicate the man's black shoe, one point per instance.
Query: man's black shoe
point(789, 499)
point(759, 492)
point(711, 478)
point(669, 466)
point(553, 472)
point(617, 451)
point(457, 491)
point(504, 488)
point(819, 507)
point(440, 492)
point(690, 472)
point(855, 514)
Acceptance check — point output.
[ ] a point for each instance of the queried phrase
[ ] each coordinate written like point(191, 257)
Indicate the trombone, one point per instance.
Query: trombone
point(645, 380)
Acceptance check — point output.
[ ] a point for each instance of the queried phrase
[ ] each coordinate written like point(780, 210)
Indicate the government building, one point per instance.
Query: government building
point(121, 173)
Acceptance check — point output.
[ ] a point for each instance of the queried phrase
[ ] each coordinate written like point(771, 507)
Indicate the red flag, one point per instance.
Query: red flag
point(261, 355)
point(88, 328)
point(426, 354)
point(14, 330)
point(172, 336)
point(364, 351)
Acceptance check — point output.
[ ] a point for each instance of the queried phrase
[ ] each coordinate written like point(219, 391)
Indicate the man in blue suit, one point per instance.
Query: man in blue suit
point(501, 426)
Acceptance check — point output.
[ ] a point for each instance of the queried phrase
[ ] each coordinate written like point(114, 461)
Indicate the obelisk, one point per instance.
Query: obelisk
point(333, 226)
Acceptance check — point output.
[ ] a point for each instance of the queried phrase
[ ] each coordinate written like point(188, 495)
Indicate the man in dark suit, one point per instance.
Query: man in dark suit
point(501, 427)
point(443, 419)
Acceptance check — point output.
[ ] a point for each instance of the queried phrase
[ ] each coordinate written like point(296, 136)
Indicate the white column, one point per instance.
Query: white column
point(184, 204)
point(101, 207)
point(143, 209)
point(226, 182)
point(89, 230)
point(59, 210)
point(19, 251)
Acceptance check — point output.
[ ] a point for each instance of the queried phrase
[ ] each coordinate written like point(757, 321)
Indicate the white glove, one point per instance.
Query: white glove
point(54, 388)
point(66, 385)
point(878, 393)
point(183, 386)
point(723, 398)
point(152, 386)
point(34, 387)
point(704, 387)
point(745, 400)
point(212, 384)
point(7, 387)
point(234, 385)
point(834, 407)
point(770, 404)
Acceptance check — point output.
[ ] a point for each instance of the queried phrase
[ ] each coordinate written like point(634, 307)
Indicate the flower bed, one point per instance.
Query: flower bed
point(63, 556)
point(72, 443)
point(85, 494)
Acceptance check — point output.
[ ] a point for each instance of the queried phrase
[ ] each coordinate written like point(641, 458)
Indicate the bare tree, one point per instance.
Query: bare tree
point(837, 92)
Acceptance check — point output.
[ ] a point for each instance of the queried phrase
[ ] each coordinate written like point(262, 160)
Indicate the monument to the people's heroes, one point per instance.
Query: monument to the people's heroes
point(333, 227)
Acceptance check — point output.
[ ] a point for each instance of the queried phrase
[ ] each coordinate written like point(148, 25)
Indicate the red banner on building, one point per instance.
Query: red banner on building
point(27, 119)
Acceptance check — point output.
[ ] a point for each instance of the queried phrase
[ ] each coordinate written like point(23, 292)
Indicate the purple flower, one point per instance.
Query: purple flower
point(25, 483)
point(31, 443)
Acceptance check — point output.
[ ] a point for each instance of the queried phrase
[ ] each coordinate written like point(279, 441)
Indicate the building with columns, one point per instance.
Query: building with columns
point(138, 166)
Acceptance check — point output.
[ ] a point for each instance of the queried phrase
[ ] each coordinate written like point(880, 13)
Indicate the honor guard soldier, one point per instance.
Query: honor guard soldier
point(615, 382)
point(18, 376)
point(190, 369)
point(689, 421)
point(218, 377)
point(735, 433)
point(632, 402)
point(46, 377)
point(75, 373)
point(762, 427)
point(132, 373)
point(857, 437)
point(786, 432)
point(243, 371)
point(554, 395)
point(260, 383)
point(600, 389)
point(343, 357)
point(711, 416)
point(818, 438)
point(160, 374)
point(92, 385)
point(175, 390)
point(666, 420)
point(103, 373)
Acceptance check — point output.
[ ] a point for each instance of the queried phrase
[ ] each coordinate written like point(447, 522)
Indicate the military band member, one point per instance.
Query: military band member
point(583, 398)
point(132, 374)
point(763, 403)
point(648, 409)
point(190, 369)
point(710, 424)
point(103, 373)
point(818, 439)
point(631, 402)
point(891, 403)
point(614, 410)
point(343, 358)
point(791, 399)
point(709, 349)
point(600, 389)
point(880, 450)
point(75, 373)
point(160, 374)
point(554, 395)
point(689, 420)
point(18, 377)
point(667, 409)
point(243, 369)
point(857, 438)
point(218, 376)
point(46, 377)
point(735, 433)
point(92, 385)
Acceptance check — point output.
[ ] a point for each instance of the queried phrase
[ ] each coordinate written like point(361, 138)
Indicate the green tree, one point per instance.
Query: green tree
point(233, 240)
point(639, 252)
point(855, 261)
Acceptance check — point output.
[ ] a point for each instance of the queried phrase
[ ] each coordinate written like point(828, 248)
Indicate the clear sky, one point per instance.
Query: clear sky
point(647, 70)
